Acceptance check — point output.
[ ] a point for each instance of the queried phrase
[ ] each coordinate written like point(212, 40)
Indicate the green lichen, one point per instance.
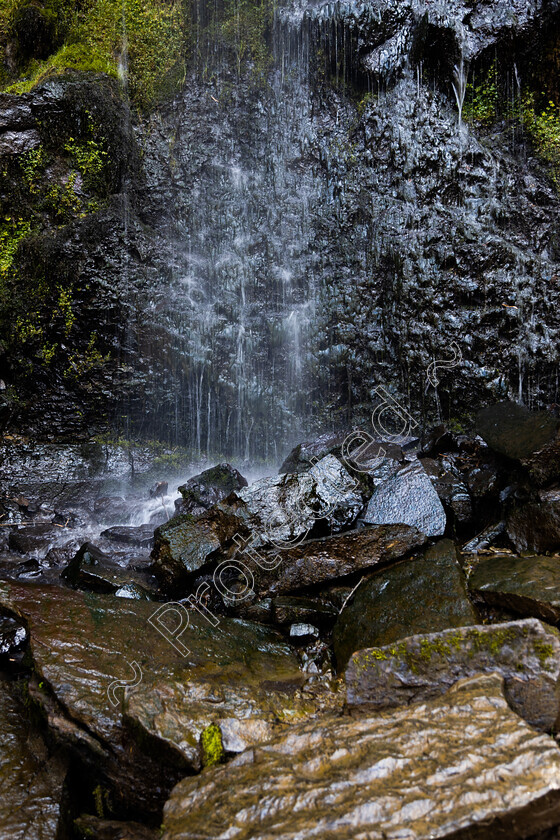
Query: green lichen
point(212, 746)
point(543, 650)
point(12, 232)
point(148, 37)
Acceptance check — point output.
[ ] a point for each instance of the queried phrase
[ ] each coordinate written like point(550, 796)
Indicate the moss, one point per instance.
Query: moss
point(12, 232)
point(543, 651)
point(212, 747)
point(144, 42)
point(481, 100)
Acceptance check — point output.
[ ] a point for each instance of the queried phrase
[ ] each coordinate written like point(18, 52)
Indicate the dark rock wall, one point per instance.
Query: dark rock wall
point(250, 260)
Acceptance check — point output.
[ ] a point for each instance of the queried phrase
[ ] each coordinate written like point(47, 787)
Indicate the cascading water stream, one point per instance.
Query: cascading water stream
point(242, 297)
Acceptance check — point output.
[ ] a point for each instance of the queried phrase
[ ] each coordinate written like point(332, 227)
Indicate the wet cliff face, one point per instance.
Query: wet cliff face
point(302, 222)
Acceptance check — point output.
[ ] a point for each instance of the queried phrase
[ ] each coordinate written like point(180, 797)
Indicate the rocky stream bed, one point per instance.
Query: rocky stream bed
point(352, 648)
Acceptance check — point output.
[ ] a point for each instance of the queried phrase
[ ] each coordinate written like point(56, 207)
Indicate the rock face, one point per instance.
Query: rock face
point(529, 586)
point(414, 773)
point(526, 653)
point(408, 497)
point(530, 437)
point(32, 782)
point(82, 643)
point(416, 596)
point(211, 486)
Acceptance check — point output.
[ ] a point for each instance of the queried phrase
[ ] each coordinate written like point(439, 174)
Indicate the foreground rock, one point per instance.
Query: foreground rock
point(416, 596)
point(530, 437)
point(211, 486)
point(32, 782)
point(81, 643)
point(408, 497)
point(88, 826)
point(529, 586)
point(413, 773)
point(526, 653)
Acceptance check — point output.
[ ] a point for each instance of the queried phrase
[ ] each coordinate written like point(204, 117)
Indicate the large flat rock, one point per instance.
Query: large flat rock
point(526, 653)
point(317, 561)
point(422, 595)
point(31, 780)
point(529, 586)
point(82, 642)
point(462, 766)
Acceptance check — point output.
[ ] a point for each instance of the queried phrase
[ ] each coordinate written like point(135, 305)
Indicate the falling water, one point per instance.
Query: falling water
point(242, 296)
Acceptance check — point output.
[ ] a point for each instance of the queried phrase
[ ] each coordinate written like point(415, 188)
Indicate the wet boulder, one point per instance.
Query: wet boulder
point(327, 558)
point(190, 671)
point(96, 571)
point(202, 491)
point(34, 539)
point(536, 526)
point(300, 458)
point(32, 779)
point(139, 535)
point(450, 487)
point(413, 772)
point(282, 510)
point(528, 586)
point(422, 595)
point(525, 653)
point(186, 544)
point(407, 497)
point(530, 437)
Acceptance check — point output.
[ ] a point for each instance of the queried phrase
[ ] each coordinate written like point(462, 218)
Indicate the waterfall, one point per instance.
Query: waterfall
point(241, 300)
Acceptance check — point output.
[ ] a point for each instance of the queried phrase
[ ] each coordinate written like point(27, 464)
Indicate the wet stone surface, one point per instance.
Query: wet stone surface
point(413, 772)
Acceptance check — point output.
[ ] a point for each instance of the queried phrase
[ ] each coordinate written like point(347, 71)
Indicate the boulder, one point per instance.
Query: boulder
point(423, 595)
point(462, 765)
point(141, 535)
point(34, 539)
point(202, 491)
point(407, 497)
point(536, 525)
point(321, 560)
point(94, 570)
point(88, 826)
point(299, 459)
point(450, 487)
point(282, 509)
point(529, 586)
point(81, 644)
point(184, 545)
point(525, 653)
point(32, 779)
point(530, 437)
